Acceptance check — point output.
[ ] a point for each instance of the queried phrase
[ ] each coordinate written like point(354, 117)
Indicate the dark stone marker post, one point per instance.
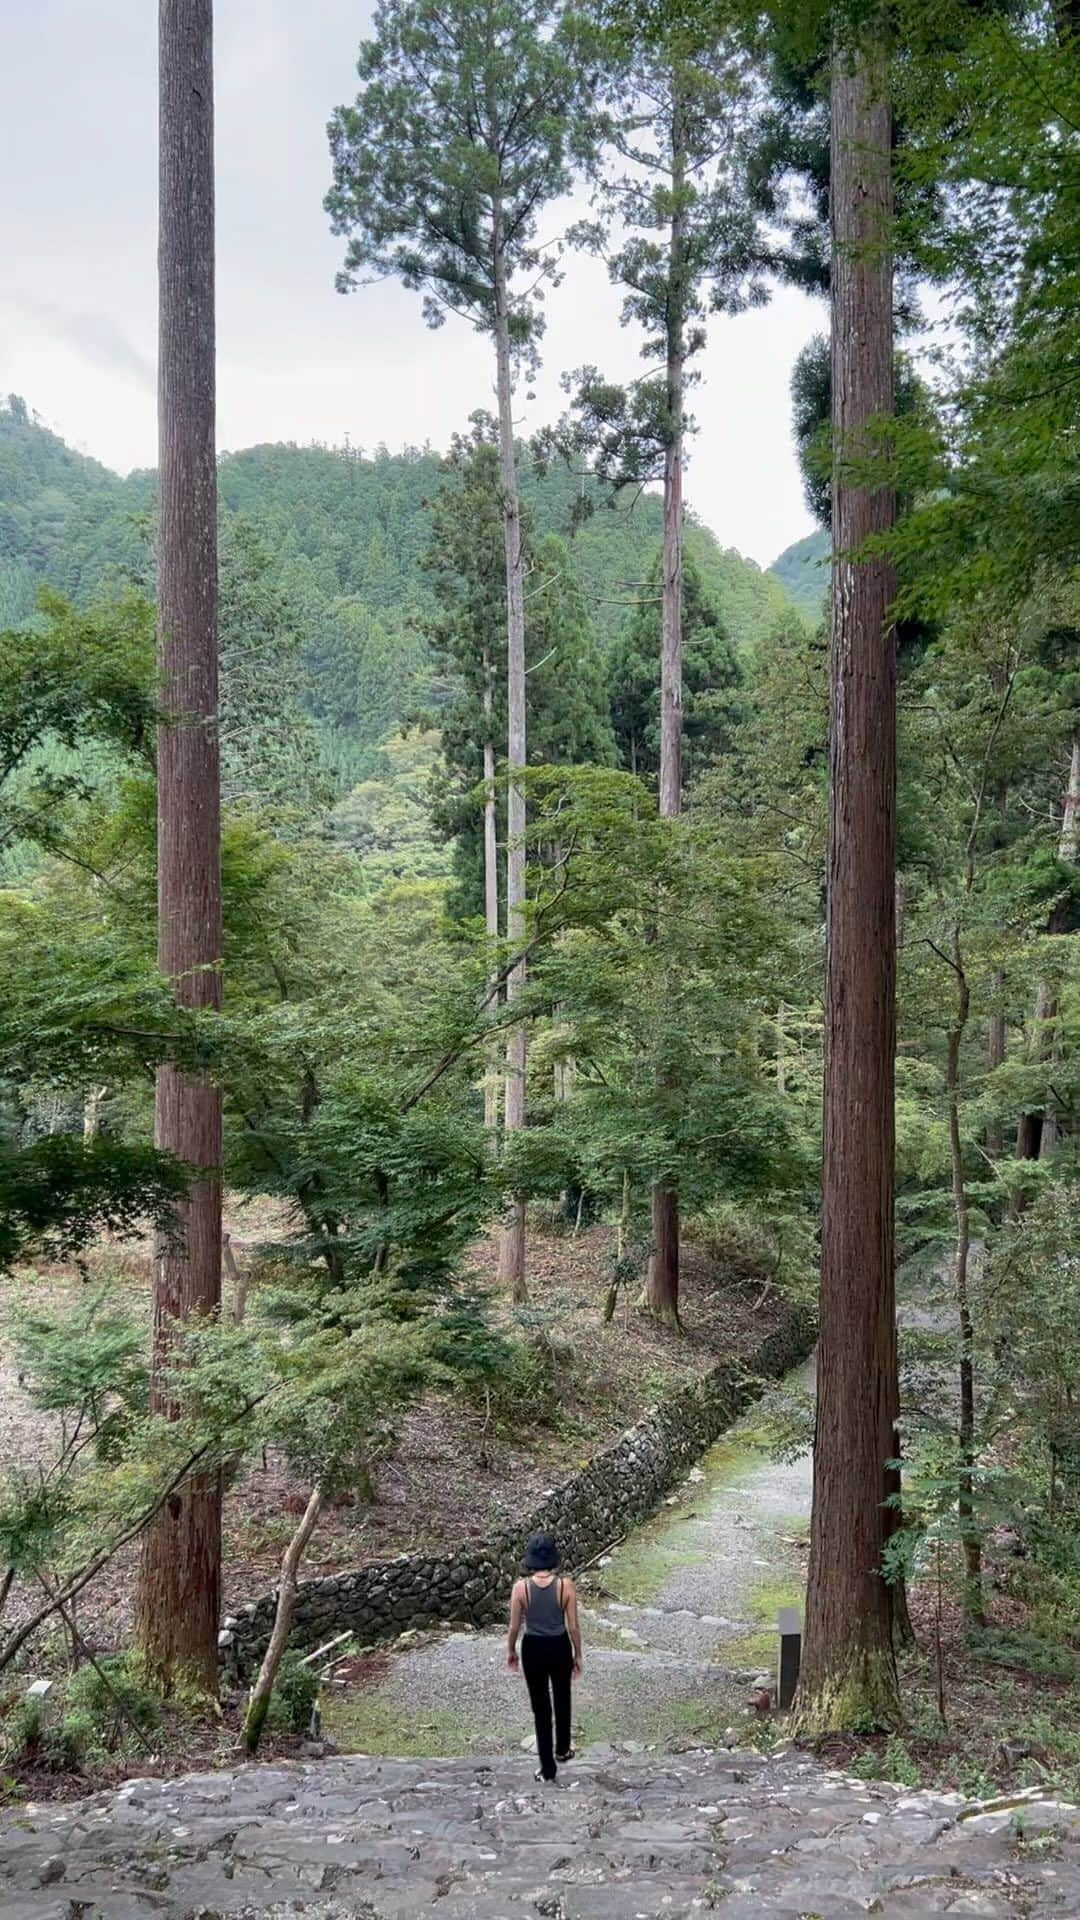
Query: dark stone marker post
point(789, 1628)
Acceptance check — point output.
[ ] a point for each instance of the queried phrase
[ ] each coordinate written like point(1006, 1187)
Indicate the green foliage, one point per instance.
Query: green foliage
point(77, 681)
point(270, 751)
point(712, 680)
point(432, 188)
point(91, 1716)
point(322, 552)
point(802, 570)
point(566, 694)
point(296, 1690)
point(676, 228)
point(114, 1691)
point(811, 403)
point(661, 955)
point(59, 1193)
point(386, 819)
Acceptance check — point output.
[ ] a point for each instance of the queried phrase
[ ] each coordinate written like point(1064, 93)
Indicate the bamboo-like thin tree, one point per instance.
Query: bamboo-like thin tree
point(849, 1671)
point(458, 139)
point(180, 1577)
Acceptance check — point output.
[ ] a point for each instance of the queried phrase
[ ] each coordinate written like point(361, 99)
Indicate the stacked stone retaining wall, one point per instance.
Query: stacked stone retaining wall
point(620, 1486)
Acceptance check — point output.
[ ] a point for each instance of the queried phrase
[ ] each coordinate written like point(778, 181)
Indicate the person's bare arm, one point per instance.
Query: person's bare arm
point(573, 1625)
point(517, 1611)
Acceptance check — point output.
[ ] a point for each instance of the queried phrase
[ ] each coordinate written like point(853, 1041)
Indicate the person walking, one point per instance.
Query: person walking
point(543, 1612)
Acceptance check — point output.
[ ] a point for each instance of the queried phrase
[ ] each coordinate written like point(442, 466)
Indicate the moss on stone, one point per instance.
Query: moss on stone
point(857, 1695)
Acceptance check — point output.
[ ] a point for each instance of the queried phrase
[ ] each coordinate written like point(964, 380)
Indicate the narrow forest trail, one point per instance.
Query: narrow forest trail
point(677, 1626)
point(678, 1623)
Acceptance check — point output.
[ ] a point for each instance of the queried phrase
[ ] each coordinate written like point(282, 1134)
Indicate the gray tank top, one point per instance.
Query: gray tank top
point(544, 1617)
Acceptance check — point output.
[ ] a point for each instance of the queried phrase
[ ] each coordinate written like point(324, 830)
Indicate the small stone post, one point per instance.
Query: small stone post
point(789, 1630)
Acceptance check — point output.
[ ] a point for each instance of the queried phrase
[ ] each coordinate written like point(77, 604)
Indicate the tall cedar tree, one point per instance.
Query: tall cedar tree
point(686, 246)
point(849, 1672)
point(180, 1578)
point(457, 141)
point(467, 559)
point(566, 693)
point(711, 679)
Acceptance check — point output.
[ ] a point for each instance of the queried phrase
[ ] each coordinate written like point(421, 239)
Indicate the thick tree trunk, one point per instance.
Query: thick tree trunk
point(662, 1282)
point(512, 1251)
point(180, 1579)
point(491, 881)
point(262, 1691)
point(848, 1671)
point(972, 1549)
point(1034, 1138)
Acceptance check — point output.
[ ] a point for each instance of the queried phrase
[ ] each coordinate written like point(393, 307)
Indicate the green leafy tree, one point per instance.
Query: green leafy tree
point(672, 116)
point(459, 137)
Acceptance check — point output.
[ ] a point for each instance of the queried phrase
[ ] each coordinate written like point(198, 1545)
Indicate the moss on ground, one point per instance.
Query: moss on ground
point(670, 1725)
point(363, 1720)
point(765, 1599)
point(756, 1650)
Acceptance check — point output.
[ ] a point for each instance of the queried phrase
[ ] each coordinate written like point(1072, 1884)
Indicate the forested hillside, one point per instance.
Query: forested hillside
point(802, 572)
point(347, 540)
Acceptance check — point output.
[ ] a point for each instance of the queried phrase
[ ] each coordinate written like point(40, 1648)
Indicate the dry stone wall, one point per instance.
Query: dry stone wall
point(618, 1488)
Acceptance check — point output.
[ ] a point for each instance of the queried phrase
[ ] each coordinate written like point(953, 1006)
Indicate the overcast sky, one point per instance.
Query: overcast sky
point(296, 360)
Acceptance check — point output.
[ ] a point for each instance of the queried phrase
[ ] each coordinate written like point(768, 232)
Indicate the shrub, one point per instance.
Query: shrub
point(296, 1690)
point(117, 1698)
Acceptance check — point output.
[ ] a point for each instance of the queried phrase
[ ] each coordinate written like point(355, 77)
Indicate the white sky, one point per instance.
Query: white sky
point(297, 361)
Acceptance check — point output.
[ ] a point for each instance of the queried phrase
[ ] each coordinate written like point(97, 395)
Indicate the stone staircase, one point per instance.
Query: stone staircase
point(622, 1837)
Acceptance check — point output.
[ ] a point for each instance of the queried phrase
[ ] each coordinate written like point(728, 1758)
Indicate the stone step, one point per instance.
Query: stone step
point(663, 1838)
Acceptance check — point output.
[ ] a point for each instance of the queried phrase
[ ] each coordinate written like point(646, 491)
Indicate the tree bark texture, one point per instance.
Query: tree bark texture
point(180, 1579)
point(512, 1250)
point(491, 880)
point(1034, 1137)
point(848, 1670)
point(662, 1282)
point(972, 1549)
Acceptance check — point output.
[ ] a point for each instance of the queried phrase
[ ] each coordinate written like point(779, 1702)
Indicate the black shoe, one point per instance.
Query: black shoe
point(562, 1758)
point(547, 1779)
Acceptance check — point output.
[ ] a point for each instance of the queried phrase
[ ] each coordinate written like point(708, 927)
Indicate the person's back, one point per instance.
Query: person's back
point(543, 1611)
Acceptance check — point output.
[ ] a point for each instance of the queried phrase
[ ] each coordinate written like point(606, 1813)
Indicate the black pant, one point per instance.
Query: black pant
point(546, 1663)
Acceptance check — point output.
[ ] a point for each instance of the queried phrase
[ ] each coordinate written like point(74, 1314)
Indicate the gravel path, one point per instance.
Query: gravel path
point(678, 1626)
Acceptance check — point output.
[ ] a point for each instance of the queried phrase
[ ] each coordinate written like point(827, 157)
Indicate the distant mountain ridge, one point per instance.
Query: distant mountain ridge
point(802, 571)
point(345, 535)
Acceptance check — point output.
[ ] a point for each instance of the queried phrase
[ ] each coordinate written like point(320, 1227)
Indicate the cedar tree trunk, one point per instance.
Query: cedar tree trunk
point(491, 882)
point(180, 1579)
point(512, 1250)
point(848, 1671)
point(662, 1283)
point(1030, 1143)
